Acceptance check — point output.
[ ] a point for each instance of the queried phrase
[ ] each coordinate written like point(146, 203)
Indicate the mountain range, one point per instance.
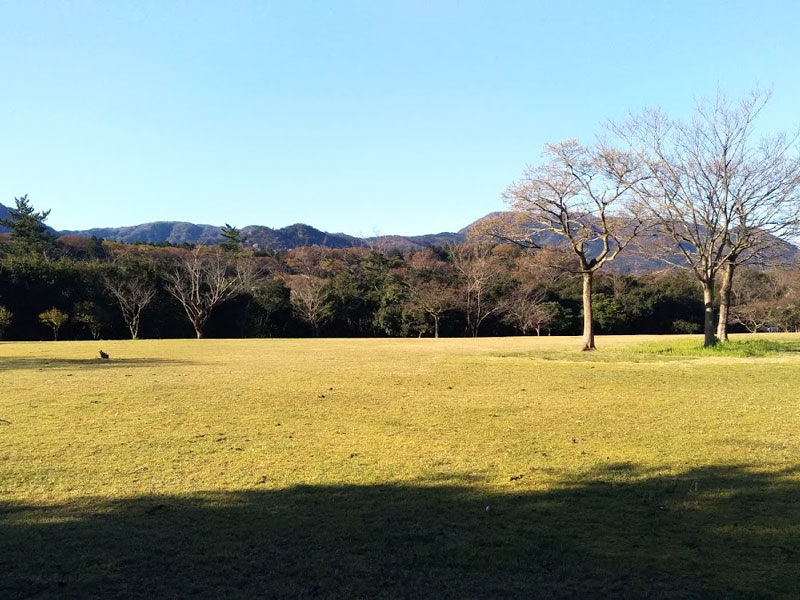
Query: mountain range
point(262, 237)
point(300, 234)
point(257, 236)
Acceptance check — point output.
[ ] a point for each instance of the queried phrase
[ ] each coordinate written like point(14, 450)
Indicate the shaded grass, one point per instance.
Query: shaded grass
point(363, 468)
point(28, 362)
point(604, 535)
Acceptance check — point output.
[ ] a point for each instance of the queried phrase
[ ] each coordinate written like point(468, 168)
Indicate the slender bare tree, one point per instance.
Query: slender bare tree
point(205, 278)
point(429, 284)
point(432, 296)
point(526, 308)
point(309, 298)
point(479, 273)
point(757, 299)
point(133, 289)
point(578, 195)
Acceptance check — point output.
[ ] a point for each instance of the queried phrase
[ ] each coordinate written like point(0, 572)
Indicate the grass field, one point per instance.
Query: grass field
point(400, 468)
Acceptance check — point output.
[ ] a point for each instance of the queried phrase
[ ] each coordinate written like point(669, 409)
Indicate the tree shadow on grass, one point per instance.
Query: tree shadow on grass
point(723, 532)
point(41, 363)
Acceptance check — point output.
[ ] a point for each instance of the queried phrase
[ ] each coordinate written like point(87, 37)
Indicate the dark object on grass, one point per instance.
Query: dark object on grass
point(103, 355)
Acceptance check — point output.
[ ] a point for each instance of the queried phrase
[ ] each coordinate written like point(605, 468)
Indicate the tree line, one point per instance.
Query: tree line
point(74, 287)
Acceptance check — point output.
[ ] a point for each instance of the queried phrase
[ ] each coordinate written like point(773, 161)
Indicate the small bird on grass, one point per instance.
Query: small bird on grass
point(103, 355)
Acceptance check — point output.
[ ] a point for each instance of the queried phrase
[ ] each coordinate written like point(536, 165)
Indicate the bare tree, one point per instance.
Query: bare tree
point(718, 199)
point(133, 289)
point(525, 309)
point(764, 189)
point(429, 286)
point(758, 300)
point(579, 195)
point(205, 278)
point(479, 273)
point(788, 317)
point(431, 296)
point(309, 298)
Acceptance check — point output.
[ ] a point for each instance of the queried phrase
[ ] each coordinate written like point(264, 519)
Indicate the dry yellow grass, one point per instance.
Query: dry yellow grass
point(364, 468)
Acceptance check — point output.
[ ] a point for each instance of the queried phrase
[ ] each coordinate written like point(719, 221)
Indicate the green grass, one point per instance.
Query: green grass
point(400, 468)
point(742, 348)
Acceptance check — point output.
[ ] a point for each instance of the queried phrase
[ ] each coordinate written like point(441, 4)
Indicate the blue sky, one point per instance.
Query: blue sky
point(361, 117)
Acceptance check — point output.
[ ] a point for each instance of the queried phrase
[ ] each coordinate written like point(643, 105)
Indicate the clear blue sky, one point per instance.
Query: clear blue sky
point(362, 116)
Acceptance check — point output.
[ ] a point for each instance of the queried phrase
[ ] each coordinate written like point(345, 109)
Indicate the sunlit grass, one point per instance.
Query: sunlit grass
point(743, 348)
point(628, 456)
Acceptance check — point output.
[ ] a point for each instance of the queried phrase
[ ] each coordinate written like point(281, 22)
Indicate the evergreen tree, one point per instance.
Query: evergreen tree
point(29, 234)
point(233, 238)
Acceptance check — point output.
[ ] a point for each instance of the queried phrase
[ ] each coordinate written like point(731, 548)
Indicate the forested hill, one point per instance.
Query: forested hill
point(258, 236)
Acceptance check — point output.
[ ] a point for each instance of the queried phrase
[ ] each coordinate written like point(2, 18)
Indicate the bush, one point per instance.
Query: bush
point(682, 326)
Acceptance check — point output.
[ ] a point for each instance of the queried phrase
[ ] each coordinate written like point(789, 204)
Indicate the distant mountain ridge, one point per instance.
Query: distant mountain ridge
point(260, 236)
point(300, 234)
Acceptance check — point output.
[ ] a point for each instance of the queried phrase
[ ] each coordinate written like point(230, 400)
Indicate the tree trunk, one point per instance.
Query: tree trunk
point(588, 325)
point(709, 339)
point(725, 302)
point(435, 326)
point(199, 324)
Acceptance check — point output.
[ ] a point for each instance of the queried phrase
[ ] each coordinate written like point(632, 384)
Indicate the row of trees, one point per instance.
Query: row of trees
point(82, 288)
point(703, 195)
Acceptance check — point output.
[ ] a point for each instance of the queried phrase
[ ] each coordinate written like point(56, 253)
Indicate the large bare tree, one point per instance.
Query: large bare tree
point(579, 195)
point(764, 189)
point(719, 198)
point(205, 278)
